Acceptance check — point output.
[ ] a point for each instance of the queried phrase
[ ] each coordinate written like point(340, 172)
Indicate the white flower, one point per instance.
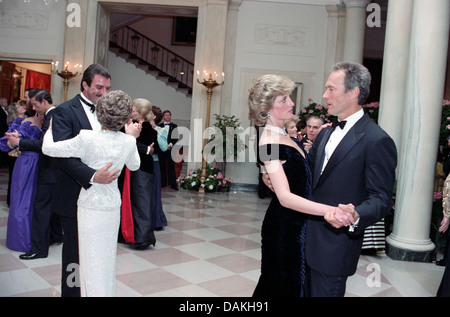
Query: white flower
point(193, 184)
point(203, 185)
point(211, 187)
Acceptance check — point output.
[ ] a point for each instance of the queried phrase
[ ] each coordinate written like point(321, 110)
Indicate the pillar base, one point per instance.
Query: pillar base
point(399, 251)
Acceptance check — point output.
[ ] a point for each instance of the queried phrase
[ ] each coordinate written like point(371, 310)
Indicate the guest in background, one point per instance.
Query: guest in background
point(15, 110)
point(301, 129)
point(138, 185)
point(446, 171)
point(313, 127)
point(444, 287)
point(291, 127)
point(23, 184)
point(3, 128)
point(165, 158)
point(45, 227)
point(159, 219)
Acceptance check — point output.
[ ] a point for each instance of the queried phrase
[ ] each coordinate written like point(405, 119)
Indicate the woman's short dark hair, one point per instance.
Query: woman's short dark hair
point(158, 114)
point(114, 110)
point(91, 71)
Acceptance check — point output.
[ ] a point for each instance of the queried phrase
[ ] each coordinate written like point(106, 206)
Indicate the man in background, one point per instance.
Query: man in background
point(166, 161)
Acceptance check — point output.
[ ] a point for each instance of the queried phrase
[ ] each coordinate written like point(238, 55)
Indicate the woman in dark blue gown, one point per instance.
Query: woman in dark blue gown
point(23, 186)
point(284, 270)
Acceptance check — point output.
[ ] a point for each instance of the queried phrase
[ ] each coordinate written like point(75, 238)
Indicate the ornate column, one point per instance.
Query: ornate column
point(355, 26)
point(410, 239)
point(229, 58)
point(209, 56)
point(395, 67)
point(335, 37)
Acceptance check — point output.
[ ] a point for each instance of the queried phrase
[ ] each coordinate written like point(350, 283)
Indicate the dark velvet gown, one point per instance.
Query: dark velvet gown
point(283, 265)
point(140, 182)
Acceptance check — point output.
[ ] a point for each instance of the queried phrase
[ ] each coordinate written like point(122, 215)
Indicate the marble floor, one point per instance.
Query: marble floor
point(210, 248)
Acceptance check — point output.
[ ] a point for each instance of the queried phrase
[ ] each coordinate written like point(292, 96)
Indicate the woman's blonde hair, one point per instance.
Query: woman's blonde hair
point(263, 93)
point(114, 110)
point(144, 108)
point(293, 119)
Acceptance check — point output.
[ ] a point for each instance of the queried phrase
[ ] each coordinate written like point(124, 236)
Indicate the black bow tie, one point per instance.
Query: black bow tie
point(166, 123)
point(340, 124)
point(88, 103)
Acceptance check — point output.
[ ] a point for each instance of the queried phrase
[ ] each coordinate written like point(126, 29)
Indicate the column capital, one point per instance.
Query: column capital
point(335, 10)
point(234, 4)
point(356, 3)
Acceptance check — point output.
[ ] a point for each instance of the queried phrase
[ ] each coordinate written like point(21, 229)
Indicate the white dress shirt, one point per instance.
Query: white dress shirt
point(92, 116)
point(338, 134)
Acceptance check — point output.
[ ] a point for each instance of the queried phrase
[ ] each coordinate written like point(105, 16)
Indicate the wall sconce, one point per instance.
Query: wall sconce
point(210, 83)
point(66, 74)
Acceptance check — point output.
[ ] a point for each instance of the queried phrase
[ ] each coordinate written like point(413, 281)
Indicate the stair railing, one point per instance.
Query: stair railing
point(156, 56)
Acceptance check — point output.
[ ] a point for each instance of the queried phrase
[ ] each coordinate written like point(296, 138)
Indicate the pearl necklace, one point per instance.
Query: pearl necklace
point(276, 129)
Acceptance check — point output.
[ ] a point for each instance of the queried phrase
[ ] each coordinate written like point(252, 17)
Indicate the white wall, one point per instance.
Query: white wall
point(138, 84)
point(285, 39)
point(33, 32)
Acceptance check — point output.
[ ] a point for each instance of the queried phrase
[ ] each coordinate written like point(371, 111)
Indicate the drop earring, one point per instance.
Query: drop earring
point(268, 115)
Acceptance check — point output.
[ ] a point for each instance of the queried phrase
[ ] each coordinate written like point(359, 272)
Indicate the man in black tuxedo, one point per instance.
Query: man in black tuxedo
point(353, 164)
point(68, 119)
point(165, 158)
point(45, 226)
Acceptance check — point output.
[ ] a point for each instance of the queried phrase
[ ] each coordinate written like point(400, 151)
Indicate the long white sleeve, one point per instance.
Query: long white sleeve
point(66, 148)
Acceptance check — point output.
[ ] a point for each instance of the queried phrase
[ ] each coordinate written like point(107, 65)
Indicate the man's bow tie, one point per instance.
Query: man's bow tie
point(90, 104)
point(166, 123)
point(340, 124)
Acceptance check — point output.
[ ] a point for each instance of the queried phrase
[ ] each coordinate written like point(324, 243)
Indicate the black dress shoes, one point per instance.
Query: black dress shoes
point(32, 256)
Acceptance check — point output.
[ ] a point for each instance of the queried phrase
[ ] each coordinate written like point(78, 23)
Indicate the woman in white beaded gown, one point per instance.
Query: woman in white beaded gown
point(98, 213)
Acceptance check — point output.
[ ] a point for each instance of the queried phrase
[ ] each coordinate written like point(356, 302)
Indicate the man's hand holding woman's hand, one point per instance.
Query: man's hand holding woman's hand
point(342, 216)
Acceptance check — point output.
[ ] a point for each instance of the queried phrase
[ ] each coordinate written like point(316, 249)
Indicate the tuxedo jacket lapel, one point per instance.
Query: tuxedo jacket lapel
point(320, 155)
point(80, 114)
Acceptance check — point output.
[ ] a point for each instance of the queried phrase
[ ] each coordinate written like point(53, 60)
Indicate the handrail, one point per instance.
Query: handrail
point(158, 57)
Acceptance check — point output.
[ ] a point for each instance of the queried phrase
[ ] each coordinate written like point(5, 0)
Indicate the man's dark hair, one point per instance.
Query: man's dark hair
point(91, 71)
point(43, 94)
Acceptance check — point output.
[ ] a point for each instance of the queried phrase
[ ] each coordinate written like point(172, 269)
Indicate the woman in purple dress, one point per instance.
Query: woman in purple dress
point(23, 185)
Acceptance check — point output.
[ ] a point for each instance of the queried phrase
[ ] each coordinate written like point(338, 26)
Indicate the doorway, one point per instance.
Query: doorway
point(17, 76)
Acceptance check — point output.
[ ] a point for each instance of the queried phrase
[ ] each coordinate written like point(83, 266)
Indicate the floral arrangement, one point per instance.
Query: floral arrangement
point(317, 110)
point(321, 111)
point(215, 181)
point(372, 110)
point(228, 123)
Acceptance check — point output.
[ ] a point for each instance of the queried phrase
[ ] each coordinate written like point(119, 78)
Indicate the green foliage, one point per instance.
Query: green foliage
point(229, 126)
